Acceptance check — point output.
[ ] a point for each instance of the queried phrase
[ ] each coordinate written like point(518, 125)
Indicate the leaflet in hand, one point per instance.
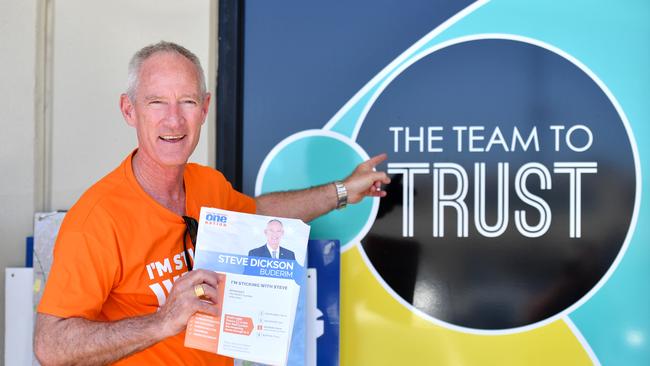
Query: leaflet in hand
point(261, 262)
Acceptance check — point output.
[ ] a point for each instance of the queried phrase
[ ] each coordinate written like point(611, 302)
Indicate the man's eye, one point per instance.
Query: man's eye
point(155, 102)
point(190, 102)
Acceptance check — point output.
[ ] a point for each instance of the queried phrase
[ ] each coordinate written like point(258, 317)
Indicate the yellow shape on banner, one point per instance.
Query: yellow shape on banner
point(378, 330)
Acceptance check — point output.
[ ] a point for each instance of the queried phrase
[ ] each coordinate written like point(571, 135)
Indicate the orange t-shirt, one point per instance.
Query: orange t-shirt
point(119, 251)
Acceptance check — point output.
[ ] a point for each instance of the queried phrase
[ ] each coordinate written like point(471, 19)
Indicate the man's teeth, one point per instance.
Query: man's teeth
point(172, 137)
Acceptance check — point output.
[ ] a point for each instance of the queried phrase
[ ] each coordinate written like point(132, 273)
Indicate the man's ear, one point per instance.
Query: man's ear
point(127, 109)
point(205, 106)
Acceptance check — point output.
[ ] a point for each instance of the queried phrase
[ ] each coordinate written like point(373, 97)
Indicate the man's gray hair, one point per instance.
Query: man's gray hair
point(138, 59)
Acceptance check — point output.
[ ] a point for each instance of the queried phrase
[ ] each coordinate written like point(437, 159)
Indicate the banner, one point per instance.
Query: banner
point(515, 134)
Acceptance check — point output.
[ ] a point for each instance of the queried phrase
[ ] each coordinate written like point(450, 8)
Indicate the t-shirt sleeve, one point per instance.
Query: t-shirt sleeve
point(84, 270)
point(209, 188)
point(238, 201)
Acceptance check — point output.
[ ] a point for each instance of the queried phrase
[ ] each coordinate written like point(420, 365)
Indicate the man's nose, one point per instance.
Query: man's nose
point(174, 115)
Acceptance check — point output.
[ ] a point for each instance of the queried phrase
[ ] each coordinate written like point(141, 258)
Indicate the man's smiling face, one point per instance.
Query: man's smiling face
point(274, 232)
point(168, 109)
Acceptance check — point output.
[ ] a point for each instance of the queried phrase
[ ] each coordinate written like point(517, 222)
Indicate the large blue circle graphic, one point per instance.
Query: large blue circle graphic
point(565, 156)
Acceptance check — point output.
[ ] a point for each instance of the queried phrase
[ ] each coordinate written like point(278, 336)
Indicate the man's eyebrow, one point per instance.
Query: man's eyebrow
point(193, 96)
point(152, 97)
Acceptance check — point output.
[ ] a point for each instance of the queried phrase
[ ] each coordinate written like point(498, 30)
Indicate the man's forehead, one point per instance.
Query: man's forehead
point(274, 225)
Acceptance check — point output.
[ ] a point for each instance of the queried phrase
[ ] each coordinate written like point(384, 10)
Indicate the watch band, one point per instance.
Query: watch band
point(341, 195)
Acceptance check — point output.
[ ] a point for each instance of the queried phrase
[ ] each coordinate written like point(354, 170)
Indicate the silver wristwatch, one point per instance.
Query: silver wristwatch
point(341, 195)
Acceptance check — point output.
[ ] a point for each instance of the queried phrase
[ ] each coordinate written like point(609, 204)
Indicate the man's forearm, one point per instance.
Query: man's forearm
point(306, 204)
point(78, 341)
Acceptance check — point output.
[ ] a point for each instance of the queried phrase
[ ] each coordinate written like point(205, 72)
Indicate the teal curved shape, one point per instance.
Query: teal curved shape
point(347, 123)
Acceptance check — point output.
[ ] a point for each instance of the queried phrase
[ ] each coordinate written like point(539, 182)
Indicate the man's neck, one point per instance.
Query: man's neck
point(163, 183)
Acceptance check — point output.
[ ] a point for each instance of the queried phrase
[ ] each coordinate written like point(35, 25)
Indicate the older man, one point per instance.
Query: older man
point(109, 297)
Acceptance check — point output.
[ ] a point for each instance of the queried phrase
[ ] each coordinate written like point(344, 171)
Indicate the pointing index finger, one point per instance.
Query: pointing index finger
point(377, 159)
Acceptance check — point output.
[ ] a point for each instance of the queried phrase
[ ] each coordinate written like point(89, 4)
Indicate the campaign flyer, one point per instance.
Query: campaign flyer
point(261, 261)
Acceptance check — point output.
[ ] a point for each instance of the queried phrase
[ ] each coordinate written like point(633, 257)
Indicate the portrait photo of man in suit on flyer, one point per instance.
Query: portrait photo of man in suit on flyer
point(272, 249)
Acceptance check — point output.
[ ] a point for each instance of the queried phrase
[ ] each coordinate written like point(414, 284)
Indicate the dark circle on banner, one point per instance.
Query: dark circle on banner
point(574, 180)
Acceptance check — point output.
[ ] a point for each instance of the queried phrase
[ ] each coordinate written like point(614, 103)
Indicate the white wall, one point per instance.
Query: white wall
point(17, 133)
point(60, 126)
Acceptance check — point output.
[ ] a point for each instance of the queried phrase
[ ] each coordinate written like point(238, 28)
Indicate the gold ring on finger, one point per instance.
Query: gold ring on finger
point(199, 291)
